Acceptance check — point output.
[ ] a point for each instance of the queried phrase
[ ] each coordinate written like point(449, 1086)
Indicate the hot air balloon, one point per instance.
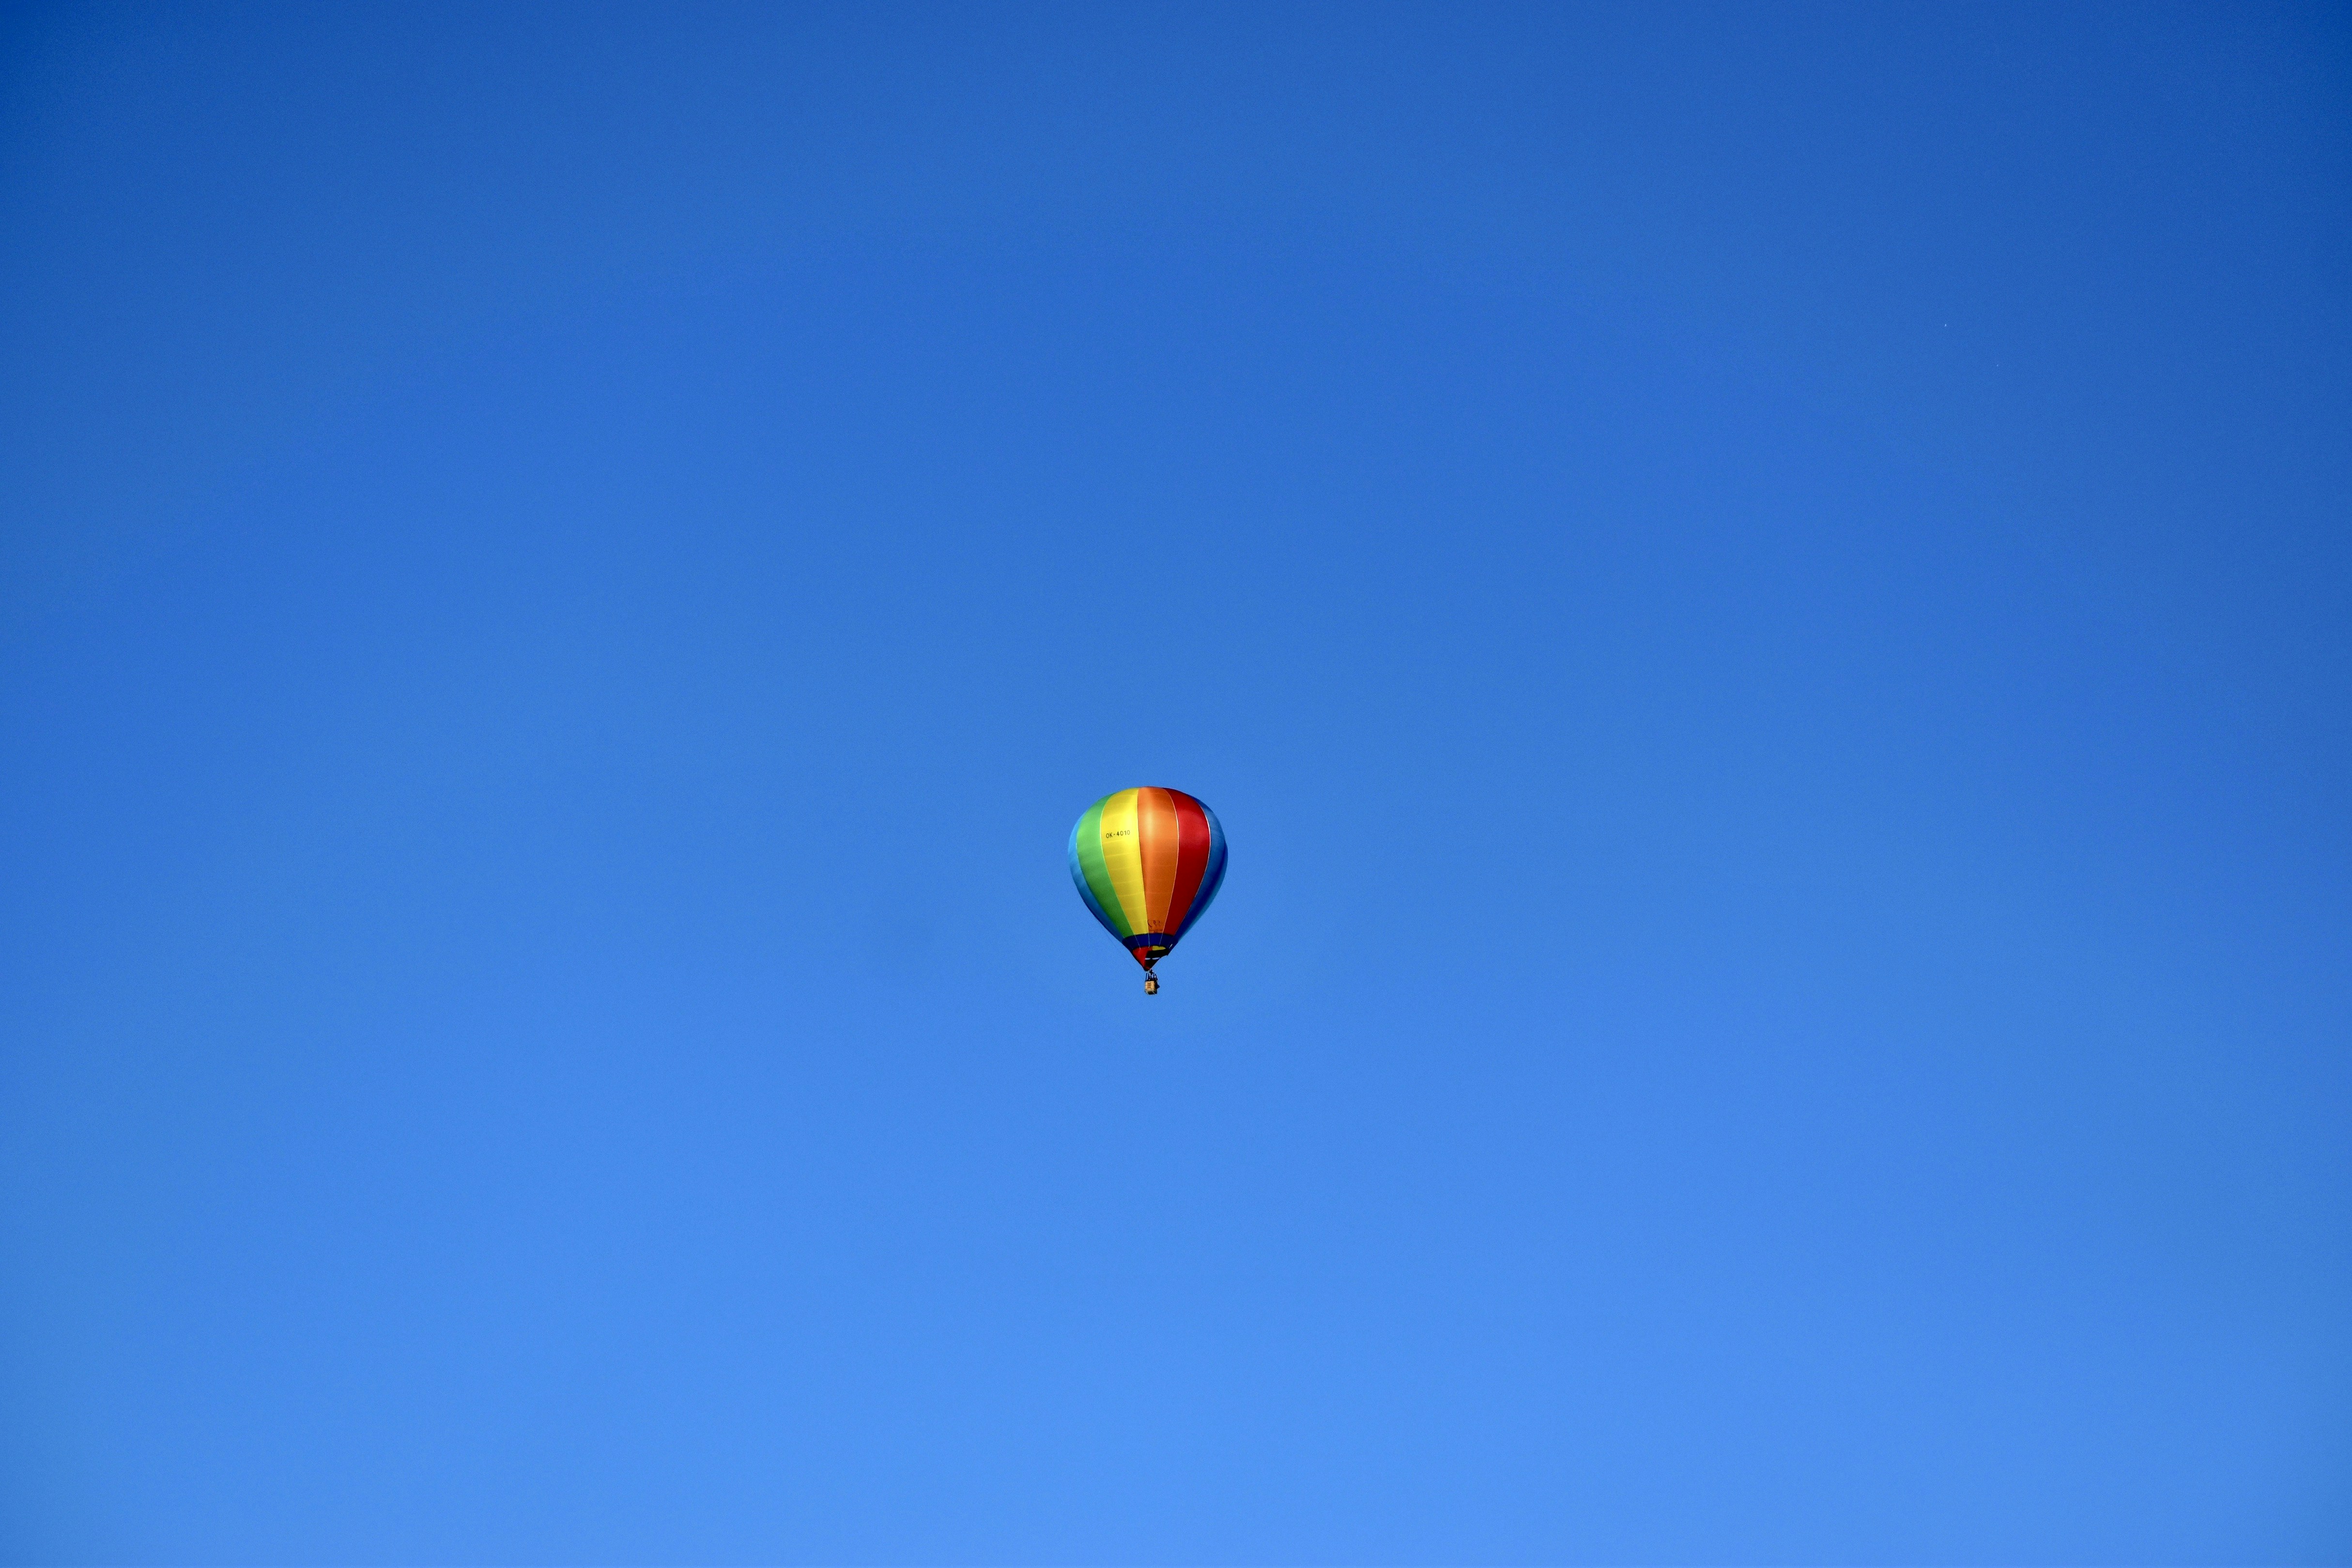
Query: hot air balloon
point(1147, 862)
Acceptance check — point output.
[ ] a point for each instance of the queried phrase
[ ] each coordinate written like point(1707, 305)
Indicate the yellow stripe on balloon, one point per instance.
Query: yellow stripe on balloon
point(1123, 857)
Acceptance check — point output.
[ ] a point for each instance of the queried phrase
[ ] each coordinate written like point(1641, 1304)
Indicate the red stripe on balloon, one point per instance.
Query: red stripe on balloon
point(1192, 856)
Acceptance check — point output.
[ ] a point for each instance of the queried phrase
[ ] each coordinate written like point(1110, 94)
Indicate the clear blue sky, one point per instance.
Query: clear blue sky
point(1765, 596)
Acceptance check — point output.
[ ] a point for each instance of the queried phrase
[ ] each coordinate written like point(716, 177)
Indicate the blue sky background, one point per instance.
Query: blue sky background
point(1764, 595)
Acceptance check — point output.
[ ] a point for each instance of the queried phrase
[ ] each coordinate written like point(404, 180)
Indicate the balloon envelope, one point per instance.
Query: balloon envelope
point(1146, 861)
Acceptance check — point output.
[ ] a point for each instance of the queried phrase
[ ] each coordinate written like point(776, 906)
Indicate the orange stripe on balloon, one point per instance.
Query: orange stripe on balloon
point(1156, 835)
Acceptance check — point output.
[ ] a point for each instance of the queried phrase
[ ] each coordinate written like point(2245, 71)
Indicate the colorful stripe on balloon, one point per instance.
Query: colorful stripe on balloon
point(1148, 862)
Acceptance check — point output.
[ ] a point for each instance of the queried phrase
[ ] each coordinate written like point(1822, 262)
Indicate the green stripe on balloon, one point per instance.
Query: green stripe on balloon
point(1090, 861)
